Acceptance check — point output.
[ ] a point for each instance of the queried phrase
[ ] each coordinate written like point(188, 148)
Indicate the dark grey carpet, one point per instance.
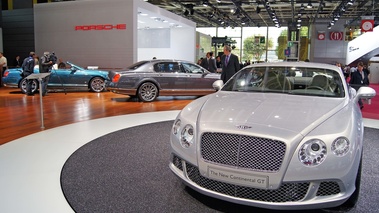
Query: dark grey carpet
point(127, 171)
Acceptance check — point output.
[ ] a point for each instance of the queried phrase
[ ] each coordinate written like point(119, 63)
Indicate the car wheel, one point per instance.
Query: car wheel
point(97, 84)
point(23, 86)
point(147, 92)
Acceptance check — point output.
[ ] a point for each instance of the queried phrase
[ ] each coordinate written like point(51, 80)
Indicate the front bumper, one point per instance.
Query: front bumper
point(289, 196)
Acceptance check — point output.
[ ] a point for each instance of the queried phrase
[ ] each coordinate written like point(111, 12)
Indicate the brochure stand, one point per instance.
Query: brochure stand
point(39, 77)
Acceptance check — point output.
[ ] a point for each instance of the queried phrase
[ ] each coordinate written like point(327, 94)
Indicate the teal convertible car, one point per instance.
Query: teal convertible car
point(68, 77)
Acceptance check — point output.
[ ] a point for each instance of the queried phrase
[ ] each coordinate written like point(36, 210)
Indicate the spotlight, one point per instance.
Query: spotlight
point(309, 5)
point(258, 9)
point(192, 11)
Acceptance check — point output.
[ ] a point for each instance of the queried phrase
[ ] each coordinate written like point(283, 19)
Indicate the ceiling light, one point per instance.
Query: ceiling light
point(351, 2)
point(258, 9)
point(205, 3)
point(192, 11)
point(309, 5)
point(218, 1)
point(302, 7)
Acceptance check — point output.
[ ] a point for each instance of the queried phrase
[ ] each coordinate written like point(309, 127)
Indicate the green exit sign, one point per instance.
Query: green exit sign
point(262, 40)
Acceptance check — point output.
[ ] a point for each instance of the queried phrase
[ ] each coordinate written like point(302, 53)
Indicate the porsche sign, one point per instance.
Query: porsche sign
point(101, 27)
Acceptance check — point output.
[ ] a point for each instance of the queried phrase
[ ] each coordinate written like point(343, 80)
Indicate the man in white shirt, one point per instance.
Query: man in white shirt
point(3, 67)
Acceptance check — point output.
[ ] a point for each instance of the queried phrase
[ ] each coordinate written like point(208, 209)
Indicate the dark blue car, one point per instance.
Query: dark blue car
point(68, 77)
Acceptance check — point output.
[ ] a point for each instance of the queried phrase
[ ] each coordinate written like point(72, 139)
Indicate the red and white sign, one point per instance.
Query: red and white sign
point(336, 36)
point(367, 25)
point(321, 36)
point(101, 27)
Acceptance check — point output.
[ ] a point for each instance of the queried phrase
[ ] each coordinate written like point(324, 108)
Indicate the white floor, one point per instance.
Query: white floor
point(30, 167)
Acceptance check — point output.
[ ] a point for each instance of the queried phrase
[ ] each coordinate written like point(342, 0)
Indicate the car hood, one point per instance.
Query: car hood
point(266, 113)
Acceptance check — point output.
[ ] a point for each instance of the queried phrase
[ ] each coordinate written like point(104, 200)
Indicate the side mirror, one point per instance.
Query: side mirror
point(365, 93)
point(217, 85)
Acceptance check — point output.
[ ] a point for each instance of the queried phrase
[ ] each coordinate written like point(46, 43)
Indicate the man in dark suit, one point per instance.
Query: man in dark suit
point(209, 62)
point(230, 64)
point(359, 78)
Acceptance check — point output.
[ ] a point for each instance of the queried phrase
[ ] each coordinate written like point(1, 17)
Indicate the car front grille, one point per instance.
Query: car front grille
point(177, 162)
point(241, 151)
point(287, 192)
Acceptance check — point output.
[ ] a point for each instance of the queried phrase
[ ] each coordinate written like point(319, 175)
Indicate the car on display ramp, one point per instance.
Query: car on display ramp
point(152, 78)
point(69, 77)
point(286, 135)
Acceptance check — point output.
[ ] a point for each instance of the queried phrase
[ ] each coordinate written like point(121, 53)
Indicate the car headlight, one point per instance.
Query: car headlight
point(176, 127)
point(186, 136)
point(312, 152)
point(341, 146)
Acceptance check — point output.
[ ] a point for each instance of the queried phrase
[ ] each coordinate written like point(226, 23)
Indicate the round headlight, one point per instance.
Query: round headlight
point(312, 152)
point(341, 146)
point(186, 138)
point(176, 127)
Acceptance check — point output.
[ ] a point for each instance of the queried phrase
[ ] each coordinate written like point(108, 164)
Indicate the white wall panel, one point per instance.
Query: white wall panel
point(55, 31)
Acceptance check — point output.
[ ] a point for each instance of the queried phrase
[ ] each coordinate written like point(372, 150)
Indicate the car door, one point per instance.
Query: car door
point(169, 76)
point(68, 78)
point(197, 77)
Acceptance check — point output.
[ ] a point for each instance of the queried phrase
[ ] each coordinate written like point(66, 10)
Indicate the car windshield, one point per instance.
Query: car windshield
point(289, 80)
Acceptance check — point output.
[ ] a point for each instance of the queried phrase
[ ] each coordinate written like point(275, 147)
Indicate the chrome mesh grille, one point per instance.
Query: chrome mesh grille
point(177, 162)
point(241, 151)
point(288, 192)
point(328, 188)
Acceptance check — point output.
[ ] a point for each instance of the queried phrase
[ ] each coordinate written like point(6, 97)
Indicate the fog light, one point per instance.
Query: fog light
point(186, 139)
point(312, 152)
point(340, 146)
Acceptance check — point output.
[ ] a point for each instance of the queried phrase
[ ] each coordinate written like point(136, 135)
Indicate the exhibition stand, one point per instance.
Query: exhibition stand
point(40, 77)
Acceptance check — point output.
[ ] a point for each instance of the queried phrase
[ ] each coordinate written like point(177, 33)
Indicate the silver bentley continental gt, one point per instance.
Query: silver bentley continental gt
point(282, 135)
point(147, 80)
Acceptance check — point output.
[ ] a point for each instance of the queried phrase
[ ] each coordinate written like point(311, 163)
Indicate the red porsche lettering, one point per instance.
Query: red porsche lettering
point(101, 27)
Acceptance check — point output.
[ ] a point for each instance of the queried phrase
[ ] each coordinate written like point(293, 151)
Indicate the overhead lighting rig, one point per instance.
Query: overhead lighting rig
point(272, 14)
point(339, 11)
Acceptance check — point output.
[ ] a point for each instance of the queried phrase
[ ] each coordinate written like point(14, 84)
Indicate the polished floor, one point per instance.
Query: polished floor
point(31, 162)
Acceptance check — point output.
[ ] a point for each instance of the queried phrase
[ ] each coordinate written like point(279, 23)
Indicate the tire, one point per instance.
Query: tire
point(97, 84)
point(22, 86)
point(147, 92)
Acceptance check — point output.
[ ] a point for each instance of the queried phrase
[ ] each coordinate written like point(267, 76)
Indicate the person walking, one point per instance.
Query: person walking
point(27, 69)
point(230, 64)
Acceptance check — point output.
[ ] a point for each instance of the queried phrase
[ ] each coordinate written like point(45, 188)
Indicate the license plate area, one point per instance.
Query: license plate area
point(238, 178)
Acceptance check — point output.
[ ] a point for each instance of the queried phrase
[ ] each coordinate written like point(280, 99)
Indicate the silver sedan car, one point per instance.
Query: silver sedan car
point(149, 79)
point(282, 135)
